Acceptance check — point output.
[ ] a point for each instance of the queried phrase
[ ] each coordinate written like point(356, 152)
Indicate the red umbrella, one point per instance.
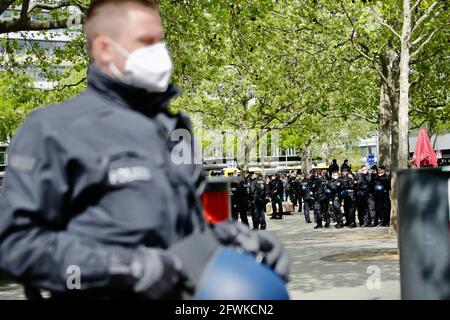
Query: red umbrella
point(424, 154)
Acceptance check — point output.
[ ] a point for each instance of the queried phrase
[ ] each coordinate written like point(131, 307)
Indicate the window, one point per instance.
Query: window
point(3, 157)
point(50, 45)
point(9, 13)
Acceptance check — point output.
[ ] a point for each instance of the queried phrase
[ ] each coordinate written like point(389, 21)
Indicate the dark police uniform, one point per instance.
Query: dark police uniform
point(362, 197)
point(371, 201)
point(91, 174)
point(347, 194)
point(321, 202)
point(335, 185)
point(308, 200)
point(250, 207)
point(258, 193)
point(298, 193)
point(276, 192)
point(334, 167)
point(239, 201)
point(380, 187)
point(292, 192)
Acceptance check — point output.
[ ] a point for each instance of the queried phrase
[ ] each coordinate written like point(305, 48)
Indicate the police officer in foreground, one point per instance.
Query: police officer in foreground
point(91, 183)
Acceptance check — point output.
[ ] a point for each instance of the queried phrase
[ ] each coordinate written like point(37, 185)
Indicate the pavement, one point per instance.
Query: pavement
point(317, 273)
point(313, 278)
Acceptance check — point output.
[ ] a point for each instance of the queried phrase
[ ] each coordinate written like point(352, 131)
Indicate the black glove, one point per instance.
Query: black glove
point(148, 272)
point(261, 243)
point(274, 254)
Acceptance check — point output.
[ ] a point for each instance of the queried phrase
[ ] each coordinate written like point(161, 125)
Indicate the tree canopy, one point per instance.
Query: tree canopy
point(312, 69)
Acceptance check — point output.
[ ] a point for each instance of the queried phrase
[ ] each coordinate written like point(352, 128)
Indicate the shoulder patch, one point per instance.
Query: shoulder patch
point(22, 163)
point(129, 174)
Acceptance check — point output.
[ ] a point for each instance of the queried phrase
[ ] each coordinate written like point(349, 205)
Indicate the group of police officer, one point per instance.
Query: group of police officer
point(252, 194)
point(338, 195)
point(335, 195)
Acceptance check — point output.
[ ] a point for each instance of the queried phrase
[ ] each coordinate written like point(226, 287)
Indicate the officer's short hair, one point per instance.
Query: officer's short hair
point(98, 7)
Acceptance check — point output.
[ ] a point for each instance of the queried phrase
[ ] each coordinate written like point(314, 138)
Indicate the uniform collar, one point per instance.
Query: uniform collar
point(128, 96)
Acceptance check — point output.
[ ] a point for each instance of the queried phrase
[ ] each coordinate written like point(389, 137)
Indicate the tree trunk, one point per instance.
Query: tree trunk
point(403, 110)
point(388, 121)
point(395, 142)
point(249, 143)
point(246, 163)
point(305, 157)
point(393, 229)
point(384, 130)
point(388, 107)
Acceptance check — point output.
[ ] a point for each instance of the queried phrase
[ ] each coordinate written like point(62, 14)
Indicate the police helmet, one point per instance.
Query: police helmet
point(233, 275)
point(328, 191)
point(360, 194)
point(344, 193)
point(379, 188)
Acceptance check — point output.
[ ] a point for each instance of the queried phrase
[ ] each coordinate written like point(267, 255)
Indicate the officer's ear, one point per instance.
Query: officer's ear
point(101, 51)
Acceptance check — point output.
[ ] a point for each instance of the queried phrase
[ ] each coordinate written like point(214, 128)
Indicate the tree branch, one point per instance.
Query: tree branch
point(415, 53)
point(415, 5)
point(62, 4)
point(24, 10)
point(17, 25)
point(418, 40)
point(289, 122)
point(23, 23)
point(381, 75)
point(71, 85)
point(424, 16)
point(357, 49)
point(5, 5)
point(390, 28)
point(356, 115)
point(382, 47)
point(352, 38)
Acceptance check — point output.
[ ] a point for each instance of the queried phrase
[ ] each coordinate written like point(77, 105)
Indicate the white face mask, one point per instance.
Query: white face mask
point(148, 67)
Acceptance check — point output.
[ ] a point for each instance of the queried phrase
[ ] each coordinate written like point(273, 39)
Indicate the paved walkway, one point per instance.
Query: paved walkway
point(314, 278)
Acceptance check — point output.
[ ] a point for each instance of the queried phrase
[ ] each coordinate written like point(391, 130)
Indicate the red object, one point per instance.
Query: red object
point(216, 206)
point(424, 155)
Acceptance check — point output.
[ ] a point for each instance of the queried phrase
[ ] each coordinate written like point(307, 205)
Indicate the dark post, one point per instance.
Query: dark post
point(424, 215)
